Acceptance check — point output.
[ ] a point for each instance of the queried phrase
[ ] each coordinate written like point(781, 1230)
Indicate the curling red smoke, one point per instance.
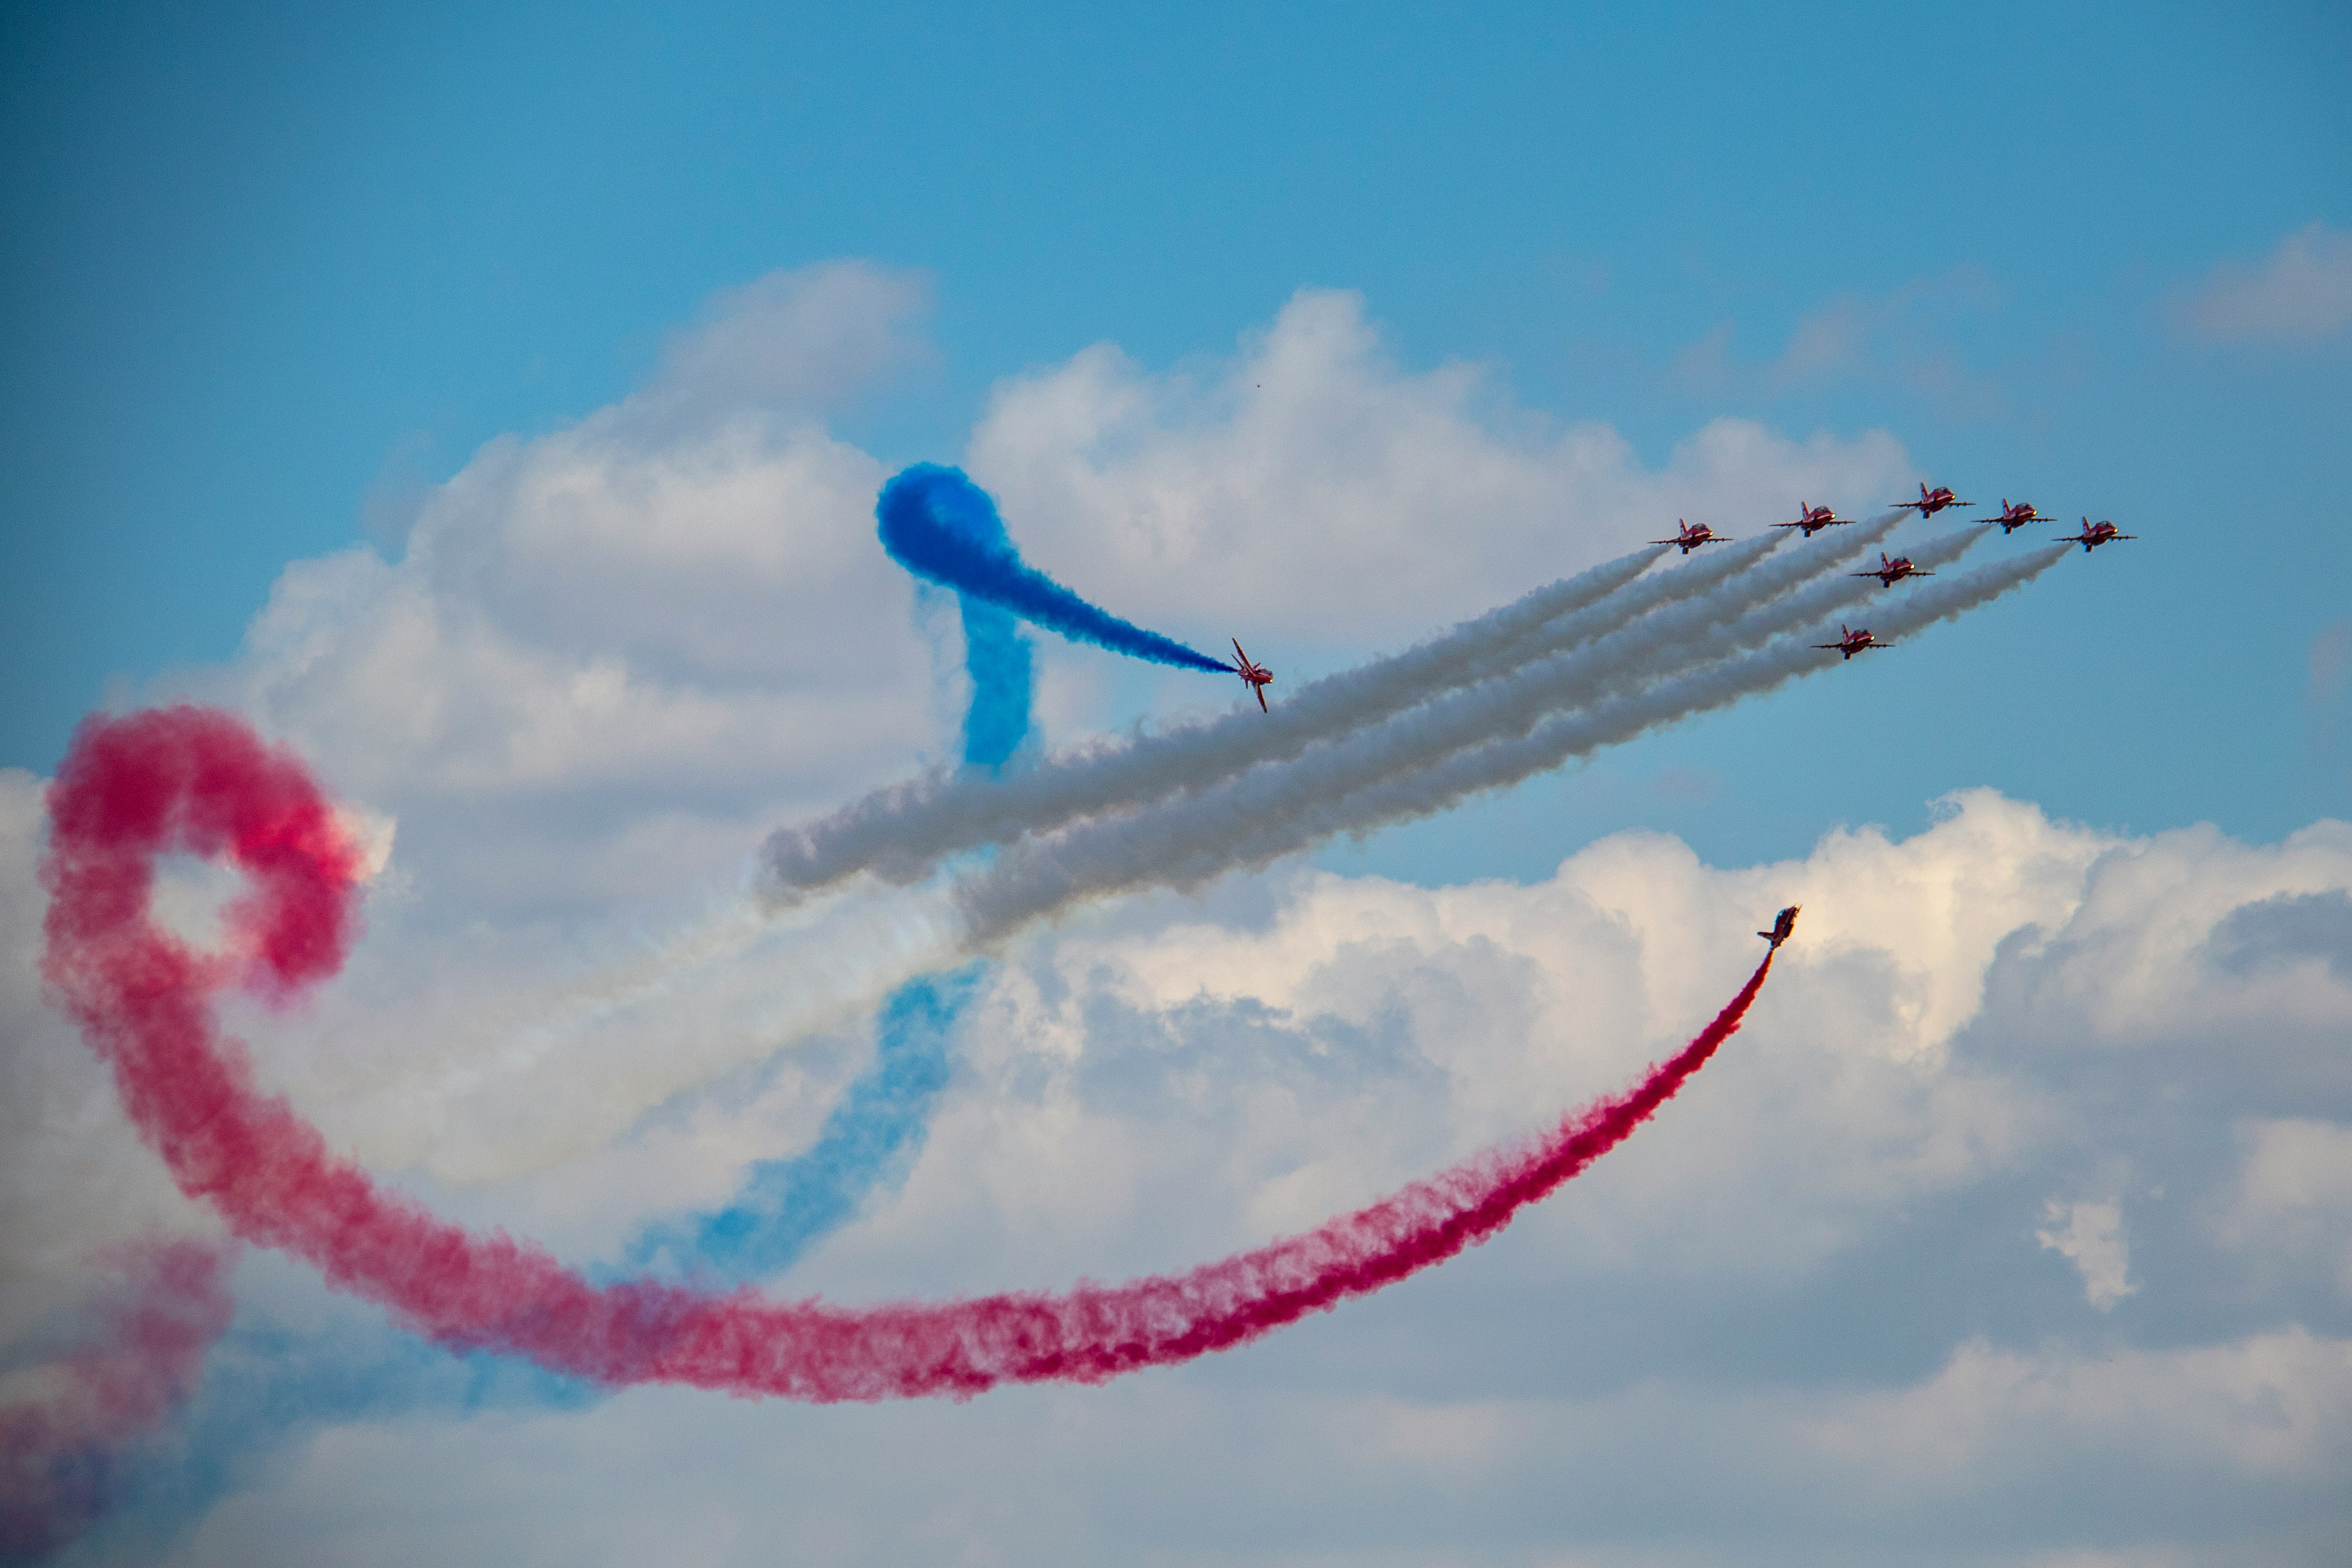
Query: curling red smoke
point(189, 779)
point(57, 1455)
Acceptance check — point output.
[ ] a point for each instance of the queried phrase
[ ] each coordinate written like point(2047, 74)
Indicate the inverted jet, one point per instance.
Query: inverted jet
point(1256, 677)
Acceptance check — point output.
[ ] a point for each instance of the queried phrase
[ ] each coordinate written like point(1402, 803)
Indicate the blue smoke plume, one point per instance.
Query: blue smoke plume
point(872, 1135)
point(943, 527)
point(266, 1387)
point(1003, 676)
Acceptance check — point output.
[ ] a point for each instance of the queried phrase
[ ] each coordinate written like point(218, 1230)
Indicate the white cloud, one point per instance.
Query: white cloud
point(2092, 1239)
point(611, 657)
point(2300, 292)
point(1311, 486)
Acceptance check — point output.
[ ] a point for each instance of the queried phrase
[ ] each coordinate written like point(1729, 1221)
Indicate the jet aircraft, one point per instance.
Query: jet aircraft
point(2013, 518)
point(1930, 502)
point(1890, 573)
point(1812, 519)
point(2094, 534)
point(1691, 535)
point(1256, 677)
point(1782, 924)
point(1852, 642)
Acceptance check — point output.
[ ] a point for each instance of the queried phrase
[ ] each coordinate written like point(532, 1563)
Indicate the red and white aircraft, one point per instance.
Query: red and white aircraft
point(1783, 924)
point(2094, 534)
point(1930, 502)
point(1890, 573)
point(1692, 535)
point(1815, 518)
point(1256, 677)
point(2013, 518)
point(1852, 642)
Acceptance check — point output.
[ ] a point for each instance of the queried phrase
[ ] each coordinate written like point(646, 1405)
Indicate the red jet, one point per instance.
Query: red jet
point(1890, 573)
point(1782, 924)
point(1812, 519)
point(2094, 534)
point(1692, 535)
point(1853, 643)
point(1255, 676)
point(2013, 518)
point(1930, 502)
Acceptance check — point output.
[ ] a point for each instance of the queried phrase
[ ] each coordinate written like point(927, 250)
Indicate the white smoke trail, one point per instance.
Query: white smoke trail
point(1691, 634)
point(902, 833)
point(1254, 819)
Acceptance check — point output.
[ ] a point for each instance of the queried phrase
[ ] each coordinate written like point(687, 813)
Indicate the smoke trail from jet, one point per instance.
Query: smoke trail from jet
point(782, 1207)
point(1356, 787)
point(1002, 667)
point(901, 833)
point(133, 788)
point(943, 527)
point(61, 1458)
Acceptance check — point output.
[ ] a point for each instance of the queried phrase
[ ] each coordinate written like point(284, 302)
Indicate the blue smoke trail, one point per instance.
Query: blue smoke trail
point(266, 1387)
point(1003, 676)
point(941, 527)
point(872, 1134)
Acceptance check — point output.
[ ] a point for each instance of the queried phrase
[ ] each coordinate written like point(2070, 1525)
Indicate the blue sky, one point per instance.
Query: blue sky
point(273, 272)
point(411, 319)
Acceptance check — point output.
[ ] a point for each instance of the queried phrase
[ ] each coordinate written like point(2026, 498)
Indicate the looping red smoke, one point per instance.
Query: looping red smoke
point(188, 779)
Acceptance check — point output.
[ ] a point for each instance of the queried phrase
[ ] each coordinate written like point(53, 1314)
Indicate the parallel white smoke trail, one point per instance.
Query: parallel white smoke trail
point(1189, 841)
point(1750, 609)
point(901, 833)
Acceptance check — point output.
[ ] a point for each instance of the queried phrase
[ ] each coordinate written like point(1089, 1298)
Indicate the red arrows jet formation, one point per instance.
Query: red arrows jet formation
point(1256, 677)
point(2094, 534)
point(1812, 519)
point(1692, 535)
point(1852, 642)
point(2013, 518)
point(1890, 573)
point(1930, 502)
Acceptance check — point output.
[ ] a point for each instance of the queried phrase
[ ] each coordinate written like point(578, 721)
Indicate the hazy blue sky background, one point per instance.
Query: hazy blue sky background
point(2017, 1230)
point(270, 272)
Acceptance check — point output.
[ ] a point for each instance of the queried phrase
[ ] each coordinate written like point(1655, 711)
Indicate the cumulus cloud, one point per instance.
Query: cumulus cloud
point(609, 657)
point(1310, 485)
point(2090, 1236)
point(2300, 292)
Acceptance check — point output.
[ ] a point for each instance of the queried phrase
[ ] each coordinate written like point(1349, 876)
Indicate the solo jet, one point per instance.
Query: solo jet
point(1812, 519)
point(2094, 534)
point(2013, 518)
point(1691, 535)
point(1930, 502)
point(1890, 573)
point(1782, 924)
point(1256, 677)
point(1852, 642)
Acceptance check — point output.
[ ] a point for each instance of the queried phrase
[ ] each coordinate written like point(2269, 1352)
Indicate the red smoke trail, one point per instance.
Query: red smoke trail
point(185, 778)
point(58, 1457)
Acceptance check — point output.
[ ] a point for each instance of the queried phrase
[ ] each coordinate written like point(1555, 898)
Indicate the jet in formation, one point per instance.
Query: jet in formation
point(1890, 573)
point(1691, 535)
point(1930, 502)
point(2094, 534)
point(1852, 642)
point(1256, 677)
point(1812, 519)
point(2013, 518)
point(1782, 924)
